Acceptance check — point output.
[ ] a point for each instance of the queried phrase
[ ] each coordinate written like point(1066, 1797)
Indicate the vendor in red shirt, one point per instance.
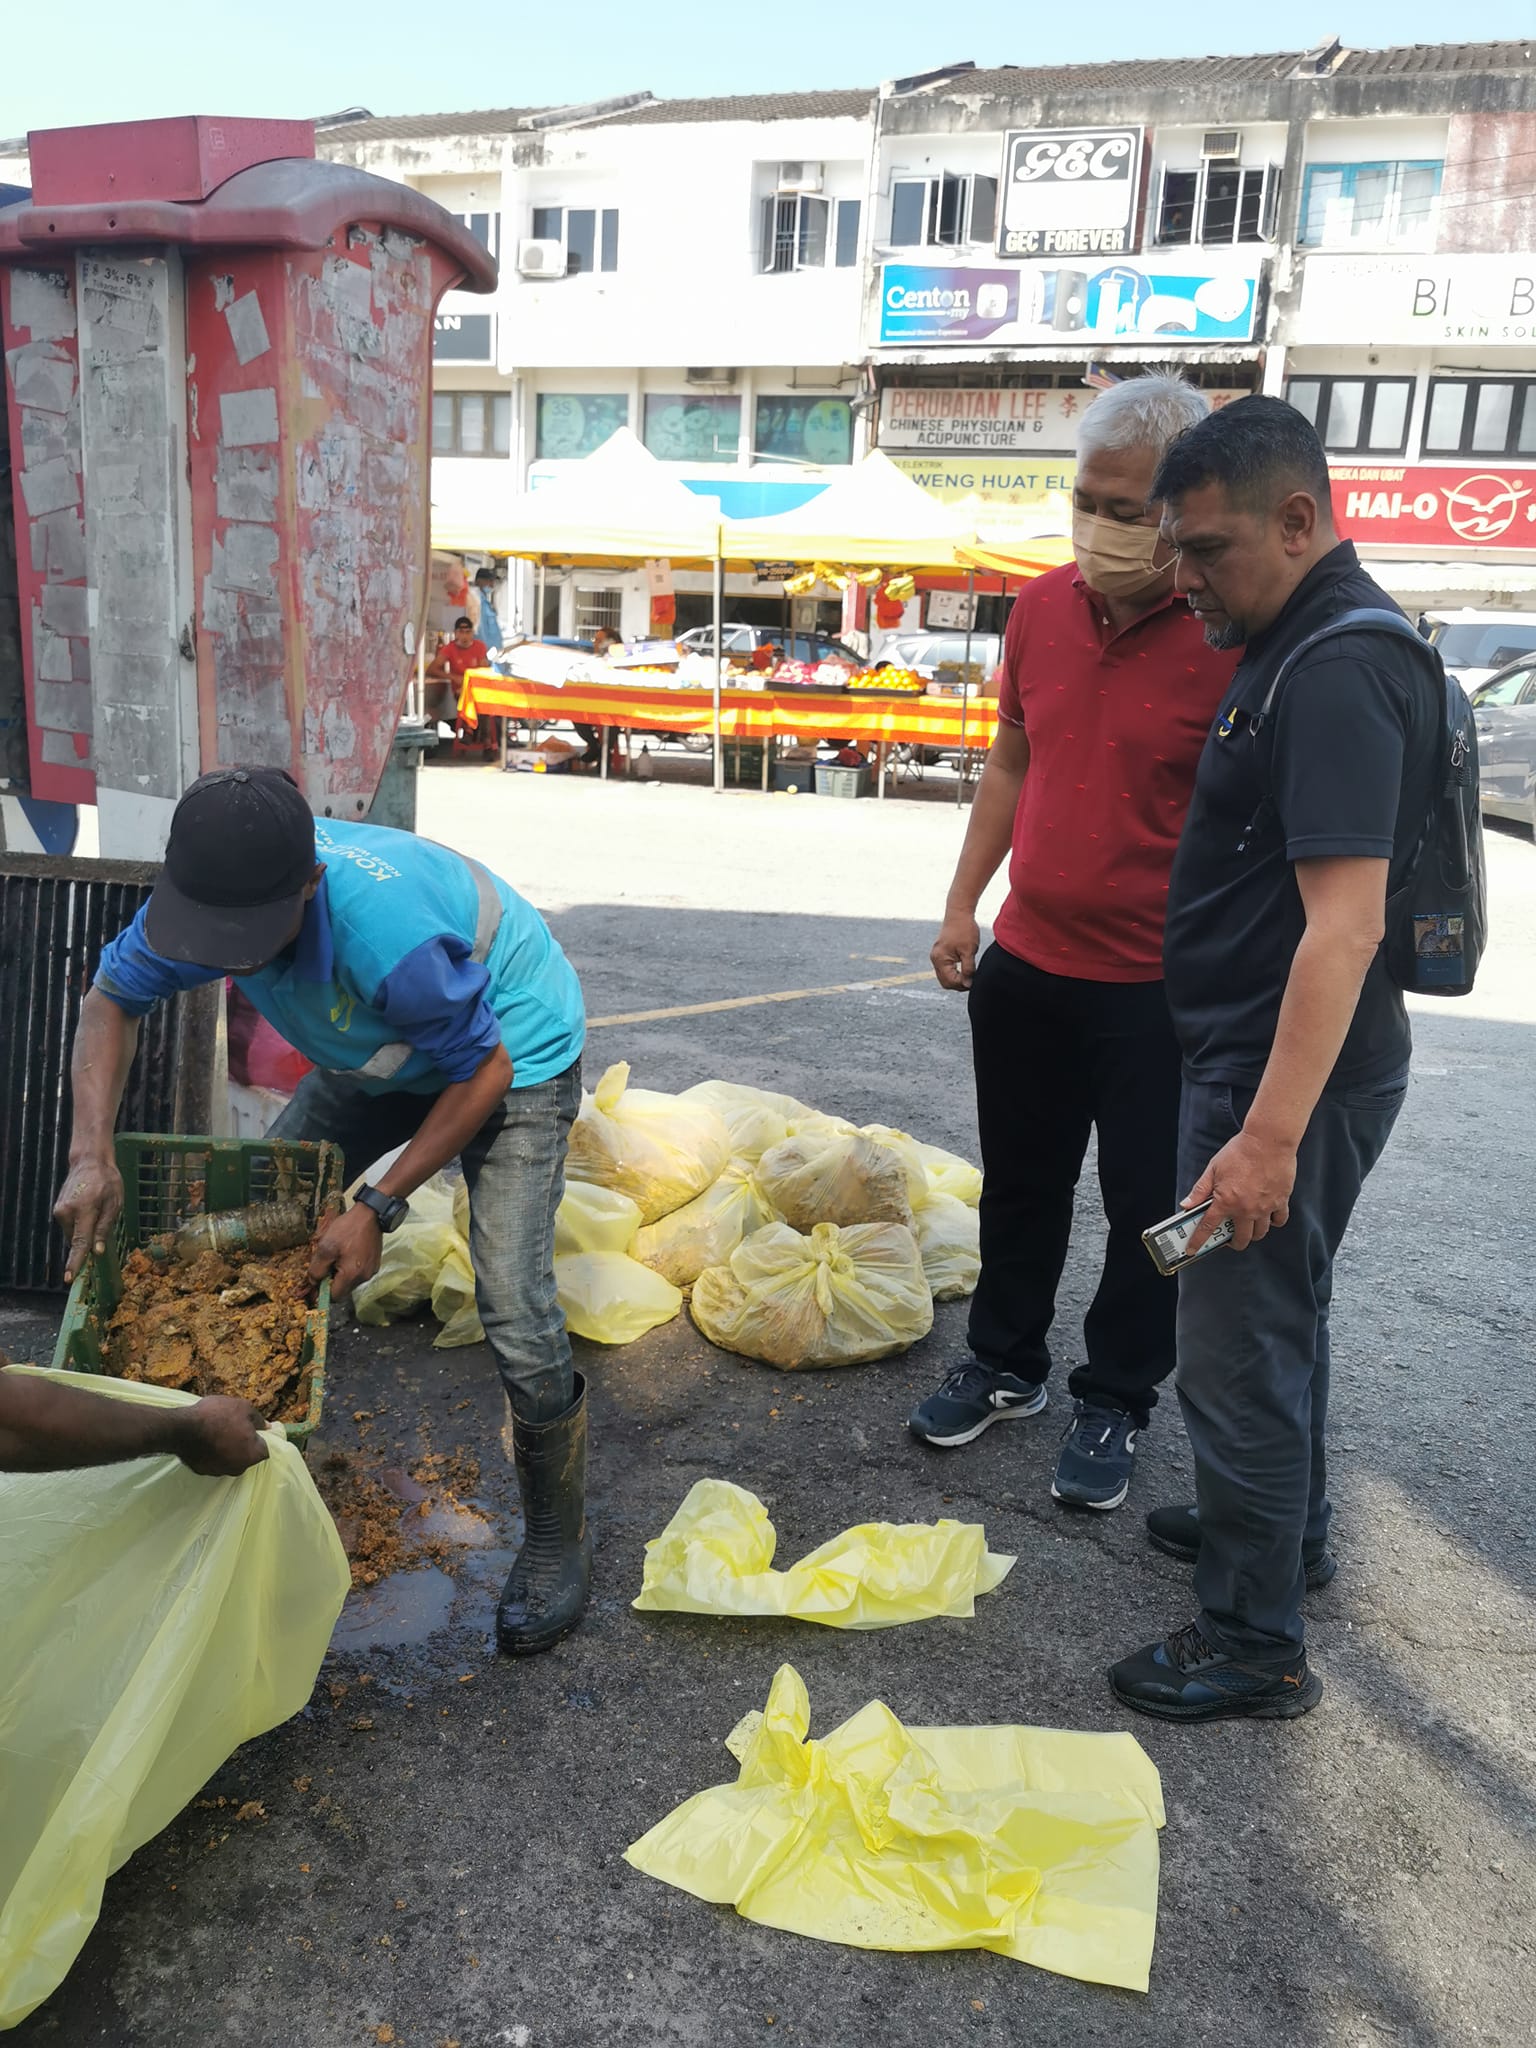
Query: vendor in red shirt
point(462, 652)
point(1107, 696)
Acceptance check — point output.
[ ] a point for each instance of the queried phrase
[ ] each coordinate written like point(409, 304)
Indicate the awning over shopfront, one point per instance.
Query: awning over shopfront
point(618, 506)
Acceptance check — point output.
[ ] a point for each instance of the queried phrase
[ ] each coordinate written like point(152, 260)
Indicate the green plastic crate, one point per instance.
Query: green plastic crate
point(166, 1181)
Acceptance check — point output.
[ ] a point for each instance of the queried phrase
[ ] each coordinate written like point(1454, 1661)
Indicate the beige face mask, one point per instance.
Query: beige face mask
point(1117, 560)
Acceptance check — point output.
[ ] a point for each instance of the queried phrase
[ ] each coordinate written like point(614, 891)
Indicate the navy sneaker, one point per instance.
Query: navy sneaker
point(1177, 1530)
point(1184, 1679)
point(971, 1398)
point(1097, 1454)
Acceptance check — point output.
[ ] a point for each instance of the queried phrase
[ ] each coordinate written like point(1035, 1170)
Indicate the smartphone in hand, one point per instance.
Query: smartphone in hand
point(1167, 1242)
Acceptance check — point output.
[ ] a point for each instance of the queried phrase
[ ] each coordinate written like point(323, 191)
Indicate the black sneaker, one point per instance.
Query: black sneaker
point(1097, 1454)
point(971, 1398)
point(1177, 1530)
point(1184, 1679)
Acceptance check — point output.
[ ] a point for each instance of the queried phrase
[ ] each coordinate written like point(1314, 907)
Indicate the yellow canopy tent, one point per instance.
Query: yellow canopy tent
point(872, 516)
point(618, 505)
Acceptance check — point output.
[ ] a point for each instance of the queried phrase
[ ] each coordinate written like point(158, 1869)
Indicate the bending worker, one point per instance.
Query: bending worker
point(441, 1015)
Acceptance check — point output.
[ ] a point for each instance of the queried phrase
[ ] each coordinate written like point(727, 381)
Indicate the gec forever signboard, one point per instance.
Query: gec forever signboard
point(1069, 191)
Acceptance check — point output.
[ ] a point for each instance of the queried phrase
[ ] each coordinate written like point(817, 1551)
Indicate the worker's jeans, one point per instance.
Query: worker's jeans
point(515, 1170)
point(1056, 1057)
point(1253, 1367)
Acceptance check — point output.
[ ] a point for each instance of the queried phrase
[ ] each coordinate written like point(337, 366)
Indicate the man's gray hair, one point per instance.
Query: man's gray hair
point(1142, 412)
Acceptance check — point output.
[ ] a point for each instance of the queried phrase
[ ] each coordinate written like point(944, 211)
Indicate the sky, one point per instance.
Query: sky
point(114, 60)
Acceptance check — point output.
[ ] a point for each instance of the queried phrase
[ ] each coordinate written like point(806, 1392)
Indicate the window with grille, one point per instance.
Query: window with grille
point(803, 231)
point(1481, 416)
point(946, 212)
point(596, 608)
point(471, 422)
point(1218, 204)
point(1355, 415)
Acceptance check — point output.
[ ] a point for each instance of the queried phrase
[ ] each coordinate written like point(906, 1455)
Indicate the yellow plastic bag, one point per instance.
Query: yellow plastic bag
point(949, 1241)
point(755, 1118)
point(152, 1621)
point(706, 1230)
point(1036, 1843)
point(594, 1219)
point(611, 1299)
point(836, 1297)
point(715, 1556)
point(413, 1257)
point(453, 1300)
point(831, 1178)
point(660, 1150)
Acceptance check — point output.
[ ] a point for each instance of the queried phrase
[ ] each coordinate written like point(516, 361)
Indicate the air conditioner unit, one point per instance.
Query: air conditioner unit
point(800, 177)
point(541, 259)
point(1219, 144)
point(716, 376)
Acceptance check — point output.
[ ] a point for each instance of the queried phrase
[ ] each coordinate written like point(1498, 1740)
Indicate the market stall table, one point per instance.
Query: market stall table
point(860, 717)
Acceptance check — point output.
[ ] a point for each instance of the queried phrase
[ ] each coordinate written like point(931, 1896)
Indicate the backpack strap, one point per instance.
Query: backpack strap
point(1363, 618)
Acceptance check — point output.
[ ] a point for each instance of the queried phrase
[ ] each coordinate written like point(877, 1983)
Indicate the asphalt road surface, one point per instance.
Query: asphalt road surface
point(438, 1859)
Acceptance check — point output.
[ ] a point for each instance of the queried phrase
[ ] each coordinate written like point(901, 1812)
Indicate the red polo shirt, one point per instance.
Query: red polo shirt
point(1116, 723)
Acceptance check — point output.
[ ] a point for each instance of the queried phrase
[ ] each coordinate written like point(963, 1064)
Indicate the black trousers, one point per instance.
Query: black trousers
point(1056, 1058)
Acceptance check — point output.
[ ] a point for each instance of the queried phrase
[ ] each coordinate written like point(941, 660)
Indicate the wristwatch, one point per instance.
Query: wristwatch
point(391, 1210)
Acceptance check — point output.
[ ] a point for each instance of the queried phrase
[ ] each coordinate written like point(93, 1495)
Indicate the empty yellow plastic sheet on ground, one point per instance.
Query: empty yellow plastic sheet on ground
point(715, 1556)
point(151, 1622)
point(1033, 1842)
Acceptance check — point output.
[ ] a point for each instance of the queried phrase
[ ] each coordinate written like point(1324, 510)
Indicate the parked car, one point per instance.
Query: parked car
point(1505, 708)
point(929, 652)
point(1476, 645)
point(798, 646)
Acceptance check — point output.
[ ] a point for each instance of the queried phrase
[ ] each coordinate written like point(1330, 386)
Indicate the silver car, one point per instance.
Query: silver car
point(1505, 708)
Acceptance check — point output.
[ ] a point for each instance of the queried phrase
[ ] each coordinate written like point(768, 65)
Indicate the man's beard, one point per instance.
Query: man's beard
point(1224, 638)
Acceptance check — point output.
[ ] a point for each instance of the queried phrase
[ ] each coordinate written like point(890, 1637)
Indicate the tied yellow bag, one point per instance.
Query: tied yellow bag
point(836, 1297)
point(660, 1150)
point(715, 1556)
point(611, 1299)
point(706, 1230)
point(152, 1622)
point(949, 1241)
point(945, 1173)
point(1036, 1843)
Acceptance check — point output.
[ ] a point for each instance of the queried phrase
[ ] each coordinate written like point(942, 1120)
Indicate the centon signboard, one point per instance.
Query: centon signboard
point(1069, 191)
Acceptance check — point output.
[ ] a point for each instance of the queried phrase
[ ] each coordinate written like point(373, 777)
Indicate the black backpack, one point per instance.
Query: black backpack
point(1437, 916)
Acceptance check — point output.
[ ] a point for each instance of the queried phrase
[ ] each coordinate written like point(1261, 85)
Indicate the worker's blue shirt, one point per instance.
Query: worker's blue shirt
point(380, 984)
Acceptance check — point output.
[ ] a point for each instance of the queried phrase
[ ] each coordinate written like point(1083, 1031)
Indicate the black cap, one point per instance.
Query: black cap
point(239, 858)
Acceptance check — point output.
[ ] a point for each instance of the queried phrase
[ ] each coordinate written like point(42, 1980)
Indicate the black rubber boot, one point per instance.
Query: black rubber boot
point(546, 1590)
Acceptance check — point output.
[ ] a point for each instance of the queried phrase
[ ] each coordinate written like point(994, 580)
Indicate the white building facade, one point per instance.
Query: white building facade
point(764, 287)
point(693, 270)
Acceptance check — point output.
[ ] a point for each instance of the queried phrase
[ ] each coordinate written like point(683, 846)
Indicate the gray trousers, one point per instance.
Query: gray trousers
point(1254, 1363)
point(515, 1170)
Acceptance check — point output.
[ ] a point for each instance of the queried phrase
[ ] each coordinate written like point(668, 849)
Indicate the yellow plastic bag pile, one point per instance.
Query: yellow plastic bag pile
point(729, 1191)
point(1032, 1842)
point(715, 1556)
point(152, 1621)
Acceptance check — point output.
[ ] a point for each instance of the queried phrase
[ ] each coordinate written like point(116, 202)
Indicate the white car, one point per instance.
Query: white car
point(1476, 645)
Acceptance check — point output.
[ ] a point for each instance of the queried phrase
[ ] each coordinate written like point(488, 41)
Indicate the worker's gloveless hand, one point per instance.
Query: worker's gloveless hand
point(954, 952)
point(90, 1202)
point(349, 1248)
point(219, 1437)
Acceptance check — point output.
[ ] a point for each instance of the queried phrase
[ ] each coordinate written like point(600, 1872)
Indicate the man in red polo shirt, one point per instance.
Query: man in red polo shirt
point(1108, 694)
